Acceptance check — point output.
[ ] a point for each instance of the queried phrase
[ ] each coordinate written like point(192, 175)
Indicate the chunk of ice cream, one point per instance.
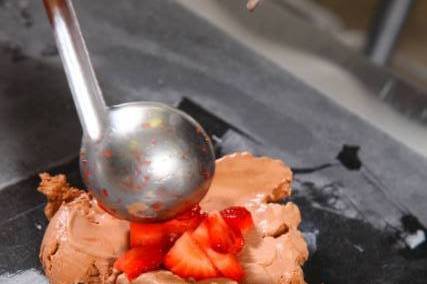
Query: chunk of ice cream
point(240, 178)
point(82, 242)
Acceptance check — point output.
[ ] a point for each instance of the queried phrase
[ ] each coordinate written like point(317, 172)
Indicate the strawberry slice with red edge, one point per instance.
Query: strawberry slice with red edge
point(238, 217)
point(201, 235)
point(188, 220)
point(139, 260)
point(226, 263)
point(165, 233)
point(223, 238)
point(187, 259)
point(146, 235)
point(200, 246)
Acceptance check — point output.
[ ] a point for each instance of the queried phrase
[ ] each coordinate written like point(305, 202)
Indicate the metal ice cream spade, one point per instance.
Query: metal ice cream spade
point(142, 161)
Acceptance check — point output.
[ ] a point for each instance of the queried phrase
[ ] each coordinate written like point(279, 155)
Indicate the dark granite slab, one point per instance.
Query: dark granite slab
point(359, 207)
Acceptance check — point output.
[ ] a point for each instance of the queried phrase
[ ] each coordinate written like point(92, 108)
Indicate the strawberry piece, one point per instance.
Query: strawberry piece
point(201, 235)
point(238, 217)
point(146, 235)
point(188, 220)
point(187, 259)
point(223, 238)
point(226, 263)
point(164, 234)
point(139, 260)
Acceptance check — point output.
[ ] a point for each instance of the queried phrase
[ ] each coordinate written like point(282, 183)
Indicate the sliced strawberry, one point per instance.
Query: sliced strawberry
point(139, 260)
point(187, 259)
point(223, 238)
point(238, 218)
point(165, 233)
point(188, 220)
point(201, 235)
point(226, 263)
point(147, 235)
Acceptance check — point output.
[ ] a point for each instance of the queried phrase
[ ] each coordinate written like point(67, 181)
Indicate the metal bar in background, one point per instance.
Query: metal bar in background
point(387, 24)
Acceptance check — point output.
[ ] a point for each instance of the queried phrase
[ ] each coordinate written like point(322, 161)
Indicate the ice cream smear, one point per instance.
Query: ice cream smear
point(82, 241)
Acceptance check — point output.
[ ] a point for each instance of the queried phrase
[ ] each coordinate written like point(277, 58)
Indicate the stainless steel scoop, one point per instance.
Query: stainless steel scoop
point(142, 161)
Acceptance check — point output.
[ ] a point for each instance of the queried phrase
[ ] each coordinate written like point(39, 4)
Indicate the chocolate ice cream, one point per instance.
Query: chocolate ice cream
point(57, 191)
point(82, 241)
point(275, 250)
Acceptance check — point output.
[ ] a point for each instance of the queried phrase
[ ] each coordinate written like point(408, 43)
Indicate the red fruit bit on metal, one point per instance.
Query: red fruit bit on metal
point(104, 192)
point(107, 153)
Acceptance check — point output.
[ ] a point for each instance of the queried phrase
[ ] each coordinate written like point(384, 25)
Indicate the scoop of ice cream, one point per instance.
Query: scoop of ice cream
point(81, 243)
